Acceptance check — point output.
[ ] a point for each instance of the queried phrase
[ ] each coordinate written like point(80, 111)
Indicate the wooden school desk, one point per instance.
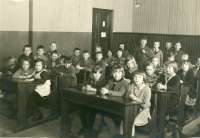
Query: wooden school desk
point(117, 105)
point(24, 89)
point(162, 102)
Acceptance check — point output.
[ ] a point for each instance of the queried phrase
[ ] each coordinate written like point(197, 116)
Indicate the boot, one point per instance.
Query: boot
point(13, 114)
point(38, 117)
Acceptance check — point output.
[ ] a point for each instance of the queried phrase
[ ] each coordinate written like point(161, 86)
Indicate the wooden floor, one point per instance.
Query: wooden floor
point(52, 129)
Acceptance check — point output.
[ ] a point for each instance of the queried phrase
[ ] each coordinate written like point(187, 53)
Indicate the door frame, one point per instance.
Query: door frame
point(111, 25)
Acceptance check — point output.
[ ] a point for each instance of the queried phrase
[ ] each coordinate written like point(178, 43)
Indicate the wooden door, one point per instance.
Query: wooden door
point(101, 30)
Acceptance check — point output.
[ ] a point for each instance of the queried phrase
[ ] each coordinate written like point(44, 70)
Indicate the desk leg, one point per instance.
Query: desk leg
point(130, 113)
point(65, 119)
point(162, 113)
point(53, 100)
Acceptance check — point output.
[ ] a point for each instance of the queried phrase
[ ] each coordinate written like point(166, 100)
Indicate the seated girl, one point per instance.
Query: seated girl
point(131, 68)
point(151, 77)
point(95, 83)
point(170, 81)
point(26, 71)
point(138, 91)
point(114, 87)
point(42, 89)
point(187, 78)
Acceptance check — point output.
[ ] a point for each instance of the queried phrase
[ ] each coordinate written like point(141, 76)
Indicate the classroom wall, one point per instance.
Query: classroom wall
point(167, 17)
point(14, 18)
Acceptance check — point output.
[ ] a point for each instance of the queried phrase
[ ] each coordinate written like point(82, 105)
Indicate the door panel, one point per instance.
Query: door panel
point(101, 30)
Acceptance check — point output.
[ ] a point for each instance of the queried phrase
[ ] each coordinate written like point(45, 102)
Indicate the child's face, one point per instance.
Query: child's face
point(155, 61)
point(40, 51)
point(54, 57)
point(61, 62)
point(143, 42)
point(98, 49)
point(121, 46)
point(86, 56)
point(138, 79)
point(25, 65)
point(67, 65)
point(130, 64)
point(198, 61)
point(156, 45)
point(185, 67)
point(38, 66)
point(53, 47)
point(27, 51)
point(177, 46)
point(184, 57)
point(149, 70)
point(119, 54)
point(97, 76)
point(169, 70)
point(168, 45)
point(117, 75)
point(109, 53)
point(77, 53)
point(171, 58)
point(99, 57)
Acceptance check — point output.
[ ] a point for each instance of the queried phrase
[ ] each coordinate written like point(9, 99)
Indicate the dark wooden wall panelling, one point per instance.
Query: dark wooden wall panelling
point(190, 44)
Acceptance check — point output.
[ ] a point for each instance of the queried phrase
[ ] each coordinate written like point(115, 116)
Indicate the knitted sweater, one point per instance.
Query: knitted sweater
point(22, 73)
point(119, 89)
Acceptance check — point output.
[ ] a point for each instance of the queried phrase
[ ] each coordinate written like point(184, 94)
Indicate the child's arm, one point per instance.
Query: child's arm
point(44, 77)
point(120, 92)
point(175, 85)
point(153, 83)
point(190, 79)
point(149, 54)
point(71, 74)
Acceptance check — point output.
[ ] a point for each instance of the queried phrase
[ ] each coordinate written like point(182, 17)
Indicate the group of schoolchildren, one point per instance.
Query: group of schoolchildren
point(131, 76)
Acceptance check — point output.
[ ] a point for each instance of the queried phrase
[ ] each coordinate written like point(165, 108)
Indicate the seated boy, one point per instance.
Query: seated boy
point(86, 62)
point(125, 53)
point(178, 52)
point(151, 78)
point(119, 59)
point(40, 53)
point(166, 51)
point(170, 82)
point(27, 54)
point(62, 60)
point(52, 47)
point(76, 57)
point(53, 62)
point(68, 70)
point(100, 62)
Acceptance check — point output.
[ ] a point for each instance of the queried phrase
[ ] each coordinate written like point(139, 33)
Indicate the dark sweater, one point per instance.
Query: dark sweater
point(172, 85)
point(166, 52)
point(44, 77)
point(188, 79)
point(178, 56)
point(4, 70)
point(129, 75)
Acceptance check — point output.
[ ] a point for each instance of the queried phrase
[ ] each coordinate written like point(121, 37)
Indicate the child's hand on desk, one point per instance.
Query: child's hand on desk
point(181, 81)
point(29, 79)
point(83, 88)
point(88, 87)
point(61, 73)
point(132, 97)
point(29, 76)
point(104, 91)
point(160, 86)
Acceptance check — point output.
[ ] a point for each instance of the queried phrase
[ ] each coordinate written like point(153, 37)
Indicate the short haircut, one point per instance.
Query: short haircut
point(169, 42)
point(131, 58)
point(109, 50)
point(63, 57)
point(53, 43)
point(54, 52)
point(173, 64)
point(119, 49)
point(144, 38)
point(99, 47)
point(40, 47)
point(187, 62)
point(99, 53)
point(185, 54)
point(28, 60)
point(86, 51)
point(149, 64)
point(40, 60)
point(178, 42)
point(27, 46)
point(121, 44)
point(156, 58)
point(156, 41)
point(77, 49)
point(171, 54)
point(142, 73)
point(120, 68)
point(96, 69)
point(68, 60)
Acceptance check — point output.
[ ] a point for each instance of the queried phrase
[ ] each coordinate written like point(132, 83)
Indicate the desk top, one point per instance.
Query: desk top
point(56, 75)
point(20, 81)
point(153, 90)
point(119, 100)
